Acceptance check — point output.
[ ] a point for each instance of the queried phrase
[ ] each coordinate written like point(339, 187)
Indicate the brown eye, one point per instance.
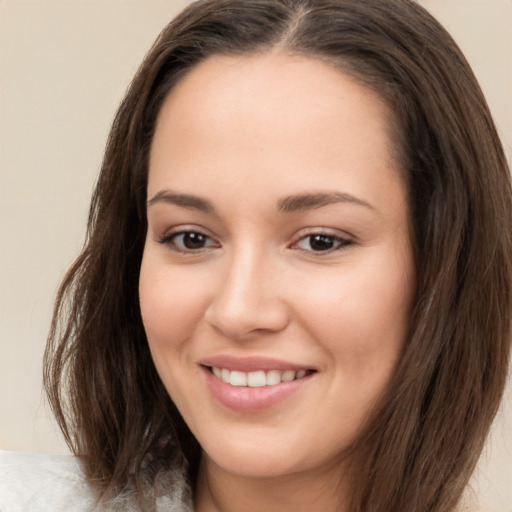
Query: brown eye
point(321, 242)
point(193, 240)
point(188, 241)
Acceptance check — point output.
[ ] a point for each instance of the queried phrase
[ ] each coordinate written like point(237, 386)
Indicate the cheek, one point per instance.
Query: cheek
point(171, 306)
point(171, 303)
point(362, 318)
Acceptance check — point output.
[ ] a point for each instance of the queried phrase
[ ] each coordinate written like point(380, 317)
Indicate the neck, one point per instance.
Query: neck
point(218, 490)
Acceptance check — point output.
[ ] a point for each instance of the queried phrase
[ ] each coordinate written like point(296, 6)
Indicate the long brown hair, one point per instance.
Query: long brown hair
point(422, 442)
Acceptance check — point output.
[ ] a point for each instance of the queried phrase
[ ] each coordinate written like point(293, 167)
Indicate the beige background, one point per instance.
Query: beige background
point(64, 66)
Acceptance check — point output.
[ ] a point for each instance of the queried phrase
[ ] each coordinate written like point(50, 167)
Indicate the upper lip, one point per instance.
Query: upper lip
point(251, 364)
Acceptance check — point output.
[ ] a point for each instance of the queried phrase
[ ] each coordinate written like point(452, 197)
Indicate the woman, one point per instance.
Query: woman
point(296, 286)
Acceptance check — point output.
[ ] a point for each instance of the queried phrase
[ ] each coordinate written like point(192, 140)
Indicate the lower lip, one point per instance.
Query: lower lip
point(247, 399)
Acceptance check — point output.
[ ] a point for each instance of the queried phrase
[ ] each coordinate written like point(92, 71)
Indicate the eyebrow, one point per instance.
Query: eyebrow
point(289, 204)
point(301, 202)
point(183, 200)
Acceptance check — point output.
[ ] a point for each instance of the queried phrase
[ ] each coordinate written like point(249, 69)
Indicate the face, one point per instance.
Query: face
point(277, 276)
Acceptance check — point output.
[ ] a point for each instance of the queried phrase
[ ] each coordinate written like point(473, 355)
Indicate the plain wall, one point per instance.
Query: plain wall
point(64, 66)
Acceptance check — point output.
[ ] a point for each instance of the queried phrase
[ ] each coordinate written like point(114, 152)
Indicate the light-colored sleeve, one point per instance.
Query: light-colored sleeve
point(31, 482)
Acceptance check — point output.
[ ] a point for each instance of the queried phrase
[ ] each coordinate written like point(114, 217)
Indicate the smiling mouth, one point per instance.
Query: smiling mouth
point(257, 379)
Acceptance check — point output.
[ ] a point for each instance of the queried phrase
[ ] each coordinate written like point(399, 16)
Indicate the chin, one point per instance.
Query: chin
point(260, 457)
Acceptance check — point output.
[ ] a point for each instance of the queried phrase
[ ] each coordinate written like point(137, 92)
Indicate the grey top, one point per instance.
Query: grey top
point(31, 482)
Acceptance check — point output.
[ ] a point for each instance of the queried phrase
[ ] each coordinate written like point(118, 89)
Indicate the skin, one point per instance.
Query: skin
point(243, 133)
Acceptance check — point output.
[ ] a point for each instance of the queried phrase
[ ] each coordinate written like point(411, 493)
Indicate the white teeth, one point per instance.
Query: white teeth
point(238, 378)
point(273, 377)
point(288, 375)
point(257, 379)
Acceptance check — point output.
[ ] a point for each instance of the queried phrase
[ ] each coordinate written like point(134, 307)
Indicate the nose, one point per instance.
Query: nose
point(249, 300)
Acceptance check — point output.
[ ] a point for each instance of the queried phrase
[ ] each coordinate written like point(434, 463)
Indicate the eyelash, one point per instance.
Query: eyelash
point(337, 243)
point(170, 241)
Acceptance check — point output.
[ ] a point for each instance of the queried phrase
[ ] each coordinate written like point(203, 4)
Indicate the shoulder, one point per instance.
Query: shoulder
point(39, 482)
point(32, 482)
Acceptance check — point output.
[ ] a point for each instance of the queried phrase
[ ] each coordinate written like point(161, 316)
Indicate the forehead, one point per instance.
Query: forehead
point(289, 119)
point(225, 85)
